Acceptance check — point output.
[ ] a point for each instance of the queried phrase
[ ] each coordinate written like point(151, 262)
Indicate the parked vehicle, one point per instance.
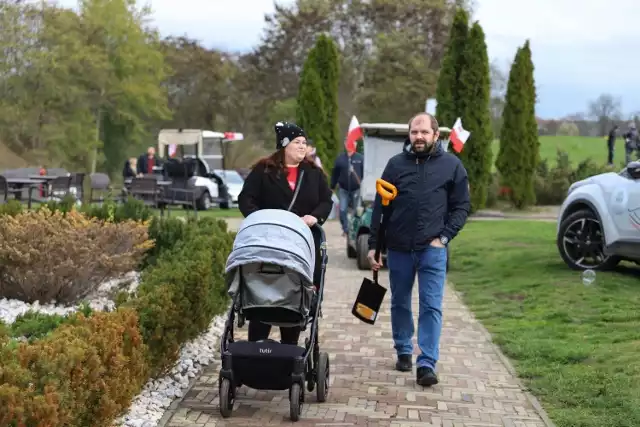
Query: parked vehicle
point(234, 182)
point(599, 221)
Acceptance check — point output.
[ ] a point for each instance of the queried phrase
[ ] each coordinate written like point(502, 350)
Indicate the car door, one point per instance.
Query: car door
point(625, 208)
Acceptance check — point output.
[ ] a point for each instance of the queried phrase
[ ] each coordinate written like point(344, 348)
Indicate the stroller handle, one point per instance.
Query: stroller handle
point(320, 232)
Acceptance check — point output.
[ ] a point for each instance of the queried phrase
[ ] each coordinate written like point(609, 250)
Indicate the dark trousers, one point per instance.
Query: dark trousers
point(260, 331)
point(611, 148)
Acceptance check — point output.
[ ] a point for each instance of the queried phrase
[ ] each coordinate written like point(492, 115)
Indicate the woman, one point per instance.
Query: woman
point(271, 184)
point(130, 167)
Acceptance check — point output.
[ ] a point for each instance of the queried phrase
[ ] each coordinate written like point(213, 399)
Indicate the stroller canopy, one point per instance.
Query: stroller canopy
point(274, 236)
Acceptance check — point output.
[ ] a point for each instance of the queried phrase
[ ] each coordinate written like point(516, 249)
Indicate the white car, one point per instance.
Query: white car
point(234, 182)
point(599, 221)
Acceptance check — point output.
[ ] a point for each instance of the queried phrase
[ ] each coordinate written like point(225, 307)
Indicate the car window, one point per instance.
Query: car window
point(232, 177)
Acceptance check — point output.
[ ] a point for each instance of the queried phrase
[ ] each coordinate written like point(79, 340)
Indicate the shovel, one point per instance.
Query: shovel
point(371, 294)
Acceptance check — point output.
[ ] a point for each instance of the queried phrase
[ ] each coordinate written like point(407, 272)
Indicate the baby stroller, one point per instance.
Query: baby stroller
point(270, 275)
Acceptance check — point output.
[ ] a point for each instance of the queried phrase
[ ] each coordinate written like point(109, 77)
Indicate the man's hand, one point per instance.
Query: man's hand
point(376, 264)
point(436, 243)
point(310, 220)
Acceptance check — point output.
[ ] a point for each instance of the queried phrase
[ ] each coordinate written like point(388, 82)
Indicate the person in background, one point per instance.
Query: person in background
point(312, 153)
point(130, 168)
point(147, 161)
point(611, 144)
point(347, 175)
point(431, 208)
point(271, 184)
point(631, 142)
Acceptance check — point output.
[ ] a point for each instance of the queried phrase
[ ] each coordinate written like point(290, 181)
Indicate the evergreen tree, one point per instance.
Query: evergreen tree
point(310, 106)
point(519, 146)
point(448, 93)
point(326, 58)
point(476, 116)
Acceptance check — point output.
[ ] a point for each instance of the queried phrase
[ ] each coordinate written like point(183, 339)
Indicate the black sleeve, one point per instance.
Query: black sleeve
point(459, 203)
point(249, 197)
point(387, 175)
point(335, 172)
point(322, 211)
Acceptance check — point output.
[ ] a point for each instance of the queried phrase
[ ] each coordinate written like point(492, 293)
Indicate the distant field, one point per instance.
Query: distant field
point(579, 148)
point(10, 160)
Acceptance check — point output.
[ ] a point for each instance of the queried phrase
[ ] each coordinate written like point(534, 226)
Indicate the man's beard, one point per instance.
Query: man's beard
point(425, 148)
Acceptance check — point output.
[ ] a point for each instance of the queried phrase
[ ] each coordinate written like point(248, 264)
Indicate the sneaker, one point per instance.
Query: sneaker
point(404, 363)
point(426, 377)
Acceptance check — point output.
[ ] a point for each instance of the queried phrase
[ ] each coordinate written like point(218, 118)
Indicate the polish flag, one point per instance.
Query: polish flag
point(354, 134)
point(233, 136)
point(458, 136)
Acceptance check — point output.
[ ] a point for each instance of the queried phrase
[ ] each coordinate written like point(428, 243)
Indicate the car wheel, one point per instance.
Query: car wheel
point(362, 249)
point(204, 202)
point(581, 242)
point(226, 204)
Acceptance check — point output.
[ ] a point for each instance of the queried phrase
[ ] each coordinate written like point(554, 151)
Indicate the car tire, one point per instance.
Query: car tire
point(577, 230)
point(204, 202)
point(362, 249)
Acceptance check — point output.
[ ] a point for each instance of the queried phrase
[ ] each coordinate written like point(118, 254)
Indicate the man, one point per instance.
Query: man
point(611, 144)
point(631, 142)
point(312, 153)
point(347, 175)
point(148, 161)
point(431, 208)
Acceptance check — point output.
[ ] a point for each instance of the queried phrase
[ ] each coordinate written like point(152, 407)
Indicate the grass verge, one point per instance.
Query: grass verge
point(576, 347)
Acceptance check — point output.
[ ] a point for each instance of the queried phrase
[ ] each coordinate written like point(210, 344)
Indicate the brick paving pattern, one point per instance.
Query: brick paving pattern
point(476, 386)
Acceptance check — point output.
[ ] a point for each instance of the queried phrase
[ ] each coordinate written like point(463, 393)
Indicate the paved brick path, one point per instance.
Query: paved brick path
point(476, 388)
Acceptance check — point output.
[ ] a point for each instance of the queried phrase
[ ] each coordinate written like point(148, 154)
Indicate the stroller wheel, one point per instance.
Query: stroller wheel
point(323, 375)
point(226, 398)
point(296, 398)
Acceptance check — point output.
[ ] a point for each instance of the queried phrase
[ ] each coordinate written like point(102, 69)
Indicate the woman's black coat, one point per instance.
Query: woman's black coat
point(270, 190)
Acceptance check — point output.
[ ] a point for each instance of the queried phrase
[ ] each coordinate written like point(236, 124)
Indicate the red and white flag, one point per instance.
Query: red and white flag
point(233, 136)
point(458, 136)
point(173, 150)
point(353, 135)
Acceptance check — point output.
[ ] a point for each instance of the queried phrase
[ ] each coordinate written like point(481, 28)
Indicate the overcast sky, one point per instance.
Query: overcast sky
point(580, 49)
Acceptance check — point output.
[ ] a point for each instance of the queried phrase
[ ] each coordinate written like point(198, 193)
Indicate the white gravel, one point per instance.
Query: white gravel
point(101, 300)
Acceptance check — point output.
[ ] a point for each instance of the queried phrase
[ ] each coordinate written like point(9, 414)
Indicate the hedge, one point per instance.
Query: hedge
point(84, 370)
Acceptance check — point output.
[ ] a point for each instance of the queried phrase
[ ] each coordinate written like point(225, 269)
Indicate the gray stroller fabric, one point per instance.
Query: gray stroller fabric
point(271, 263)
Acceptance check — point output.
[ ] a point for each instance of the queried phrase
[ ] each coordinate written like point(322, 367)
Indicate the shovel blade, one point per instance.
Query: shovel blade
point(368, 302)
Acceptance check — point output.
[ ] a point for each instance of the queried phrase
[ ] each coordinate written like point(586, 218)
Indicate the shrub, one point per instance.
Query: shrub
point(12, 208)
point(83, 374)
point(165, 232)
point(183, 291)
point(48, 256)
point(34, 325)
point(131, 209)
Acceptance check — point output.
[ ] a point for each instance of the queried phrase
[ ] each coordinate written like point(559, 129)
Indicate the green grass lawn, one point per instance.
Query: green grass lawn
point(576, 347)
point(579, 148)
point(211, 213)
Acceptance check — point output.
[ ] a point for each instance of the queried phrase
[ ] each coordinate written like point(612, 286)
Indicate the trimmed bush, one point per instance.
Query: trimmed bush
point(183, 291)
point(83, 374)
point(47, 256)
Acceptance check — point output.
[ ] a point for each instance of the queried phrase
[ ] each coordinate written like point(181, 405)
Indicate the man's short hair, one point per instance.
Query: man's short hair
point(434, 123)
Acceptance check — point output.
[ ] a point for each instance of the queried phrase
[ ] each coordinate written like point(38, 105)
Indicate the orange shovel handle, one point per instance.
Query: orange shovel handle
point(386, 190)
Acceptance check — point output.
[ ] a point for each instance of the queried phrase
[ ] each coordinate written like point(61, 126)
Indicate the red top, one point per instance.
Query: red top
point(292, 177)
point(150, 164)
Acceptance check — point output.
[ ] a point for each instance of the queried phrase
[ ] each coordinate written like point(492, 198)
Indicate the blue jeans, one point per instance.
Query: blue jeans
point(431, 266)
point(346, 199)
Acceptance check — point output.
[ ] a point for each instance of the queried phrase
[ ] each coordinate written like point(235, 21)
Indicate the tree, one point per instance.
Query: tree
point(476, 113)
point(311, 111)
point(519, 146)
point(449, 91)
point(327, 62)
point(605, 110)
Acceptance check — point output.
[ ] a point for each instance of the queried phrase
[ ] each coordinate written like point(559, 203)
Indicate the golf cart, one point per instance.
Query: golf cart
point(382, 141)
point(191, 157)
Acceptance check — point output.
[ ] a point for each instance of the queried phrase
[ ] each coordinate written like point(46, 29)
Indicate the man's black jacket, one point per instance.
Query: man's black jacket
point(433, 200)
